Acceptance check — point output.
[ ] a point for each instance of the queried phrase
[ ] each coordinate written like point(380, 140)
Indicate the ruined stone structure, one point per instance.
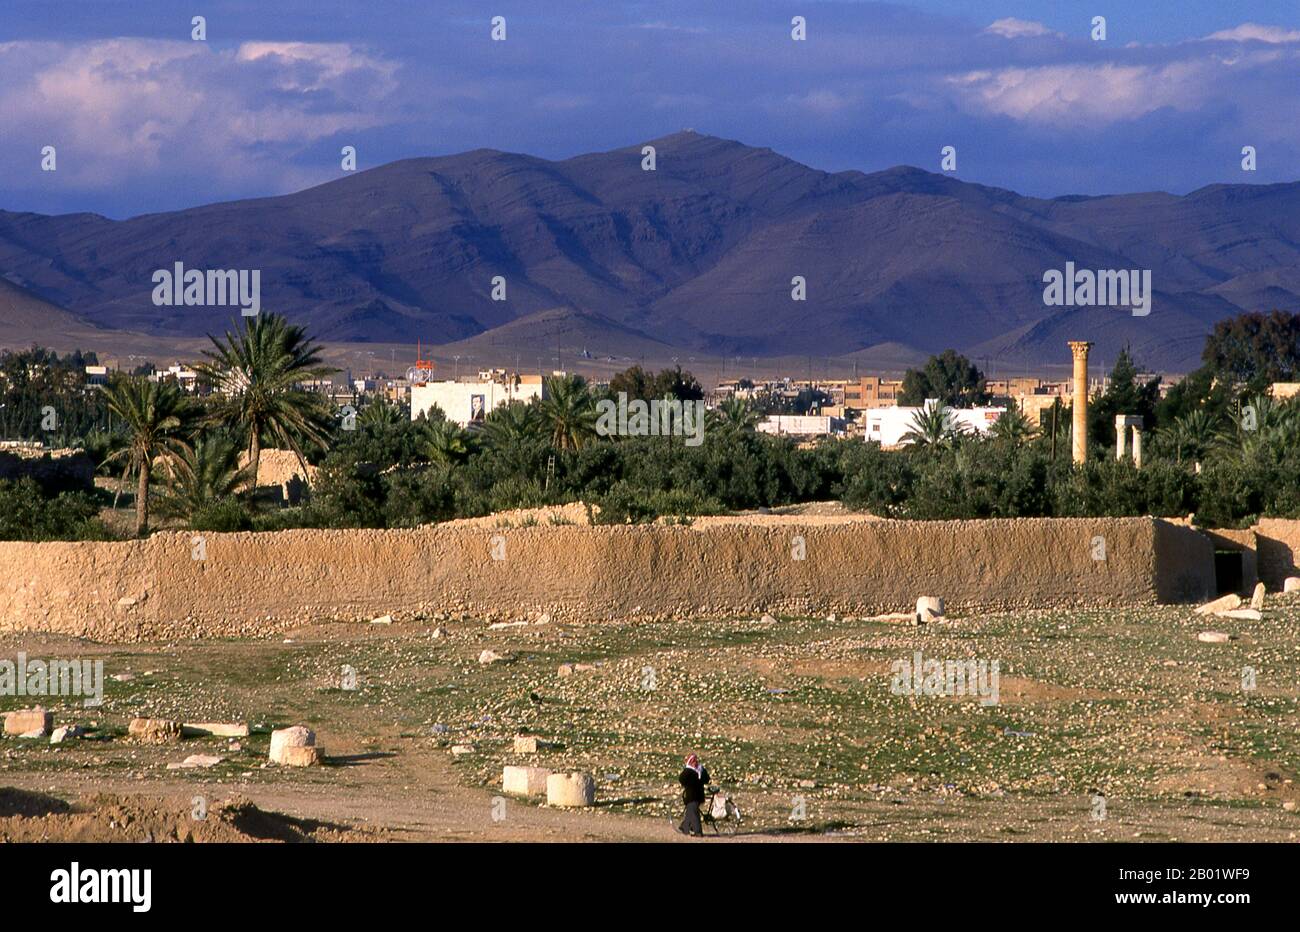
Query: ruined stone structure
point(1124, 424)
point(260, 583)
point(1079, 428)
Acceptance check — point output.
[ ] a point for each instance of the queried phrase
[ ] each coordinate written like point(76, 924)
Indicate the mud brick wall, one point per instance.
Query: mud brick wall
point(252, 584)
point(1278, 543)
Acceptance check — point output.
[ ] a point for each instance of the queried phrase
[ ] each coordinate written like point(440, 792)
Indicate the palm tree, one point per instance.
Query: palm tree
point(257, 374)
point(443, 441)
point(735, 414)
point(1014, 428)
point(205, 474)
point(933, 426)
point(156, 417)
point(381, 414)
point(509, 425)
point(1191, 436)
point(1262, 429)
point(568, 412)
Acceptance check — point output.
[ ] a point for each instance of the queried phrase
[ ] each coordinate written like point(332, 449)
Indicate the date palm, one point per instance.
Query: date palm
point(568, 412)
point(933, 426)
point(1013, 428)
point(257, 374)
point(443, 441)
point(1191, 436)
point(207, 473)
point(381, 414)
point(735, 414)
point(156, 418)
point(511, 425)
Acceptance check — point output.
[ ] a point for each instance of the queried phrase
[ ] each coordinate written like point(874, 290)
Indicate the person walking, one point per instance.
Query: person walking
point(693, 780)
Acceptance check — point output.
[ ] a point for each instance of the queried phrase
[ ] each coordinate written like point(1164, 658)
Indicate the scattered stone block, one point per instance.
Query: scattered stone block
point(299, 757)
point(1213, 637)
point(524, 781)
point(382, 620)
point(1242, 614)
point(461, 750)
point(566, 669)
point(66, 732)
point(198, 760)
point(928, 608)
point(28, 723)
point(1291, 584)
point(507, 624)
point(1257, 599)
point(285, 745)
point(154, 730)
point(1222, 604)
point(491, 656)
point(214, 730)
point(529, 745)
point(570, 790)
point(767, 620)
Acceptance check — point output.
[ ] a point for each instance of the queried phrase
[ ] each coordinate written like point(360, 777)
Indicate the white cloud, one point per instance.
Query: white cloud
point(117, 107)
point(1011, 28)
point(1248, 32)
point(1094, 93)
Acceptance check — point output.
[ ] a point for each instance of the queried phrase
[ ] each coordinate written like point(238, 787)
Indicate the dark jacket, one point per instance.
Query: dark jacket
point(693, 784)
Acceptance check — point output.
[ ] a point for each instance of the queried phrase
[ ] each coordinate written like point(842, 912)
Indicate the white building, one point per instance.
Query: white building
point(467, 401)
point(184, 376)
point(887, 426)
point(801, 425)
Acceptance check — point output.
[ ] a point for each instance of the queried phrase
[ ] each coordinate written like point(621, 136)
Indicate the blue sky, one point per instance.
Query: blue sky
point(145, 119)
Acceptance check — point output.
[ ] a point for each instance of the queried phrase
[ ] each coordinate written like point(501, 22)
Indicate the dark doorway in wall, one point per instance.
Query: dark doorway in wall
point(1227, 571)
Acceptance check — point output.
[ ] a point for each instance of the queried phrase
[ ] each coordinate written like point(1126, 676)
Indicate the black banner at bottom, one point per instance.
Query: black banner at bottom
point(145, 882)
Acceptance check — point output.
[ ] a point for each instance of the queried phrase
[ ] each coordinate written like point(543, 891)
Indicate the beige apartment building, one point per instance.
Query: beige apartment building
point(872, 392)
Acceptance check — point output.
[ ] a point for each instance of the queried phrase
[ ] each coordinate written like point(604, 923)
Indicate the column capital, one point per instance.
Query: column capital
point(1079, 347)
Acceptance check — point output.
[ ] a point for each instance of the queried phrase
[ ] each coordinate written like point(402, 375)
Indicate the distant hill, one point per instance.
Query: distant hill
point(26, 319)
point(697, 256)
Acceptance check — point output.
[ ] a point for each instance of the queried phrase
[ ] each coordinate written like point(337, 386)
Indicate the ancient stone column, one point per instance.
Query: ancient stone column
point(1137, 447)
point(1121, 436)
point(1080, 350)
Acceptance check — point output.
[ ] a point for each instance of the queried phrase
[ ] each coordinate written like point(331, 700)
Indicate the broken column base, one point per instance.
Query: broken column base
point(570, 790)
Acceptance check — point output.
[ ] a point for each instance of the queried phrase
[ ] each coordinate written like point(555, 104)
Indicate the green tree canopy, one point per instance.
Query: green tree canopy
point(1257, 349)
point(950, 377)
point(668, 383)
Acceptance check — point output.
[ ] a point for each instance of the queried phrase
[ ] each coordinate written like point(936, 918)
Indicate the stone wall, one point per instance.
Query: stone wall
point(259, 583)
point(57, 470)
point(1278, 542)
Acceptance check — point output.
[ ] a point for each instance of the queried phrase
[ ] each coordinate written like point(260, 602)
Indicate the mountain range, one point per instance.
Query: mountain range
point(696, 256)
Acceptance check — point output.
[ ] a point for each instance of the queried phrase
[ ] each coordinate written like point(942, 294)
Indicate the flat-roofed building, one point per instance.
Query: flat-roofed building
point(470, 401)
point(887, 426)
point(801, 425)
point(871, 392)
